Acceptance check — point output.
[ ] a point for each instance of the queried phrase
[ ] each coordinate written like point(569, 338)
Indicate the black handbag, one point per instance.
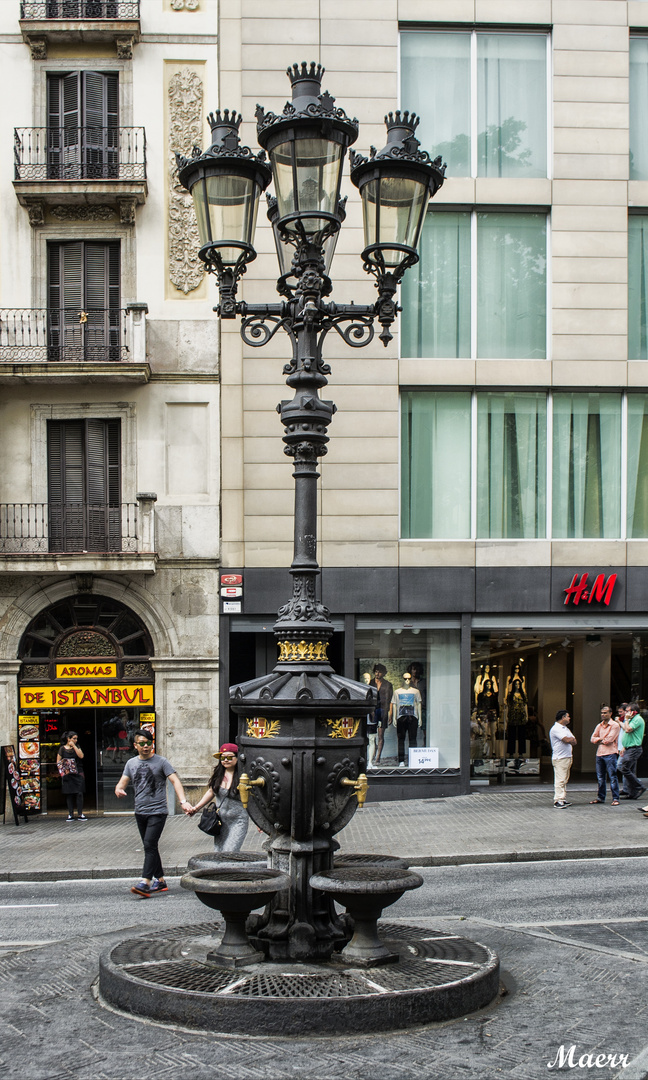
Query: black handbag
point(210, 820)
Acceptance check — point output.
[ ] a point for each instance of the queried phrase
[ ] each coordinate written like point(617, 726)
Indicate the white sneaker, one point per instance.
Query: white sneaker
point(401, 764)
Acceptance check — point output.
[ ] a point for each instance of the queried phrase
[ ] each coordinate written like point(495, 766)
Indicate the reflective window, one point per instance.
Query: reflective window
point(511, 465)
point(586, 465)
point(638, 97)
point(436, 465)
point(505, 287)
point(492, 123)
point(416, 675)
point(637, 287)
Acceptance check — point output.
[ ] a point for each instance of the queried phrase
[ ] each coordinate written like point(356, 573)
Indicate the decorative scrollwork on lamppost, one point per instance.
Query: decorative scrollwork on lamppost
point(313, 710)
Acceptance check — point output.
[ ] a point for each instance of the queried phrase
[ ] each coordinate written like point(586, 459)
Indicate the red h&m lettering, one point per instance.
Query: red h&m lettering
point(601, 590)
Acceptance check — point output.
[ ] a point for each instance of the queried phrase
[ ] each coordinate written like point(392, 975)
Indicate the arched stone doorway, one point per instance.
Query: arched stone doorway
point(85, 665)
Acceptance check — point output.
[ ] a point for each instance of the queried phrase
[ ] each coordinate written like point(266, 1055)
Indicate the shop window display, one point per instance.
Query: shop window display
point(416, 675)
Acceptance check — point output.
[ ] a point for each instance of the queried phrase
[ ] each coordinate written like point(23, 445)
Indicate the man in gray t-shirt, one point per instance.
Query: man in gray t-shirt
point(149, 773)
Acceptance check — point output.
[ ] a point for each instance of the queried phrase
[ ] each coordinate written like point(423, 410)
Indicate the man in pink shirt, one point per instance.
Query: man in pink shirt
point(605, 737)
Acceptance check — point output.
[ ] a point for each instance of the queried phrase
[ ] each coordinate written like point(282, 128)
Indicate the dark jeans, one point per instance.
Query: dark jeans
point(606, 766)
point(628, 768)
point(406, 725)
point(150, 827)
point(73, 800)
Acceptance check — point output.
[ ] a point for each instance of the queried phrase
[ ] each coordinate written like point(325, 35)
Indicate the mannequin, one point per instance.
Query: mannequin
point(407, 707)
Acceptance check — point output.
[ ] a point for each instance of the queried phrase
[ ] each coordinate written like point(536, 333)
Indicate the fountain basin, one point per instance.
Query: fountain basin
point(216, 860)
point(235, 892)
point(365, 891)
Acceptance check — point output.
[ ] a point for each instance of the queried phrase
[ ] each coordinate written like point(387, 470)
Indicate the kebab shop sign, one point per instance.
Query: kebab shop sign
point(83, 697)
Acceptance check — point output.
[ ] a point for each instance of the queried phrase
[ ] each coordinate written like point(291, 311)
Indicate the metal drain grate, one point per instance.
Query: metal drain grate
point(302, 986)
point(184, 975)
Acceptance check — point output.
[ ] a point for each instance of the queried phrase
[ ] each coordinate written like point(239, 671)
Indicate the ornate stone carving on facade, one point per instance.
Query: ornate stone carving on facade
point(185, 131)
point(36, 212)
point(185, 5)
point(38, 48)
point(124, 47)
point(82, 213)
point(127, 211)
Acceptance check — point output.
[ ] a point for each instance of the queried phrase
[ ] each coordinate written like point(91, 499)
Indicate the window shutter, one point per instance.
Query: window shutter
point(71, 124)
point(65, 473)
point(84, 483)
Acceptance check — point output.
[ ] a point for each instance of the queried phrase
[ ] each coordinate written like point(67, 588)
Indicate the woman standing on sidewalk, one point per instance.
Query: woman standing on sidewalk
point(68, 763)
point(223, 788)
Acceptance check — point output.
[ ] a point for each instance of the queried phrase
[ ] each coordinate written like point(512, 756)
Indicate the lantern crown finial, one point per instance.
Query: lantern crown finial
point(225, 119)
point(305, 79)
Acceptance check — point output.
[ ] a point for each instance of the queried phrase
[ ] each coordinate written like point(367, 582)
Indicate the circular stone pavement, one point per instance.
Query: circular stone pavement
point(166, 977)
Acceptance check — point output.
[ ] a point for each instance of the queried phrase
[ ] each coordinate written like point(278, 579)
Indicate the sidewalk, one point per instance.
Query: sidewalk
point(502, 826)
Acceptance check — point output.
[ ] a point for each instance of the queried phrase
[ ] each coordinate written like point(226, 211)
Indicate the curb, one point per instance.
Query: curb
point(467, 859)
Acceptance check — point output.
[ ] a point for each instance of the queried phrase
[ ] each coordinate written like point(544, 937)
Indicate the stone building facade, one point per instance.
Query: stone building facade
point(110, 397)
point(482, 525)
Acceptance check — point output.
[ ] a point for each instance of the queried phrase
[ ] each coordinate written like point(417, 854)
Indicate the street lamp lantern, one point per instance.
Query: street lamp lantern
point(285, 251)
point(301, 739)
point(396, 184)
point(225, 182)
point(307, 146)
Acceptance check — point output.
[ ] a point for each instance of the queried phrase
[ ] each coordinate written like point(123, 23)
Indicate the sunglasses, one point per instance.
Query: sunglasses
point(144, 742)
point(228, 757)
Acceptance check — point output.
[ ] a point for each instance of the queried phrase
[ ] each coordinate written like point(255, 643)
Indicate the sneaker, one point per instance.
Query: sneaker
point(401, 764)
point(82, 817)
point(70, 817)
point(561, 804)
point(141, 889)
point(159, 885)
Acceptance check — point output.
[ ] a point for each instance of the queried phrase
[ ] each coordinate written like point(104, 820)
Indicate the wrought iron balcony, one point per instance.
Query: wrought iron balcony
point(39, 528)
point(63, 335)
point(79, 153)
point(53, 22)
point(79, 9)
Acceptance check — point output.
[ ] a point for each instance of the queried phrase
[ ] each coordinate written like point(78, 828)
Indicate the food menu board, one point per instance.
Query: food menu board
point(11, 779)
point(29, 761)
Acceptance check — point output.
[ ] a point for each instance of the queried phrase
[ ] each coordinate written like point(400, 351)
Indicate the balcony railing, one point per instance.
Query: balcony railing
point(79, 9)
point(33, 528)
point(63, 335)
point(79, 153)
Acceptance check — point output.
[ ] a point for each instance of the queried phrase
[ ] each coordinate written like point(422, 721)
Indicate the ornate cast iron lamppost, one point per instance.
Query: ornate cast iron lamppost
point(300, 730)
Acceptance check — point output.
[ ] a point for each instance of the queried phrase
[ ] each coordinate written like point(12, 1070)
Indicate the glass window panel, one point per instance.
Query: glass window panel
point(638, 118)
point(436, 292)
point(511, 465)
point(637, 466)
point(435, 84)
point(232, 204)
point(512, 286)
point(586, 465)
point(638, 287)
point(430, 695)
point(436, 465)
point(511, 105)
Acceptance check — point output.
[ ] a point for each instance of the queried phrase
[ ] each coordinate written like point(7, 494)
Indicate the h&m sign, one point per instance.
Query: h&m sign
point(600, 591)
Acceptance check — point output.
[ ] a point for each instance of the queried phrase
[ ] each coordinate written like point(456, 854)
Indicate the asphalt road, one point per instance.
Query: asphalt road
point(572, 937)
point(504, 893)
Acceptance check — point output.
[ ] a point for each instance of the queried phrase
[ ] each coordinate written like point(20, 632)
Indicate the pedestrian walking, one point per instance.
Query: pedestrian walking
point(633, 732)
point(562, 743)
point(69, 764)
point(149, 773)
point(605, 738)
point(620, 717)
point(223, 789)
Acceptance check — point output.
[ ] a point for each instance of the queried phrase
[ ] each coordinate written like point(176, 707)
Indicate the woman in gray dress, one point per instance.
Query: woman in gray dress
point(223, 790)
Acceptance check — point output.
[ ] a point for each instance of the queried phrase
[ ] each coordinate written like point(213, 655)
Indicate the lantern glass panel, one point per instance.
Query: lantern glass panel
point(306, 175)
point(231, 205)
point(393, 209)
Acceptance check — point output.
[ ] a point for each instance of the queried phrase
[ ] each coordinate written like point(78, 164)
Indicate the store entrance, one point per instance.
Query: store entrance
point(520, 680)
point(105, 738)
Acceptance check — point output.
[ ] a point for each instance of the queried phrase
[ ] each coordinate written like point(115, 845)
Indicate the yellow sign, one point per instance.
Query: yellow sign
point(81, 697)
point(86, 671)
point(146, 718)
